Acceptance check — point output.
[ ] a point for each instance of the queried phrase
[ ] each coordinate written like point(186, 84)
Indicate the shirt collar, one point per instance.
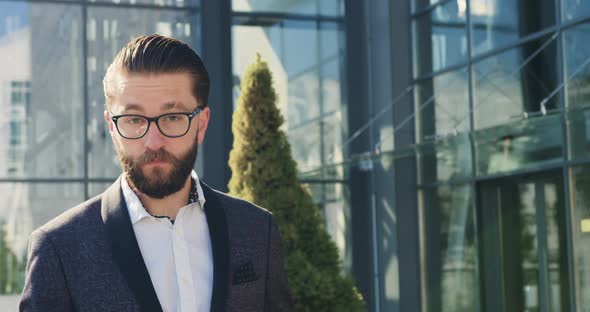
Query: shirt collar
point(138, 212)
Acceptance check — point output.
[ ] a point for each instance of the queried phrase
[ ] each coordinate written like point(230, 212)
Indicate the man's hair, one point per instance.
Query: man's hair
point(156, 54)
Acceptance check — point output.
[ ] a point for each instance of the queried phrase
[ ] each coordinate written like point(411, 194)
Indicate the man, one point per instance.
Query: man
point(158, 239)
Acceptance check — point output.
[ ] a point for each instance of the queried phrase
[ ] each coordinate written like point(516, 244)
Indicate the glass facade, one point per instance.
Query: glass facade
point(451, 250)
point(501, 119)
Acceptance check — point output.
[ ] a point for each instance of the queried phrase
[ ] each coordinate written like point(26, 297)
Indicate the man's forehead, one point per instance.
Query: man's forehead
point(170, 105)
point(163, 91)
point(123, 79)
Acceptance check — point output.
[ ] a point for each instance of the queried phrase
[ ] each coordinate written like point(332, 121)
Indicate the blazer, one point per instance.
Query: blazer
point(88, 259)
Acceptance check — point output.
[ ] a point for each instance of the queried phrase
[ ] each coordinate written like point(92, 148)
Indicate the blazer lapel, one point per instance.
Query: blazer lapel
point(125, 249)
point(218, 231)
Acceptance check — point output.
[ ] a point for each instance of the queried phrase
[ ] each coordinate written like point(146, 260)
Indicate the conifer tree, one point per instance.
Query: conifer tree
point(264, 172)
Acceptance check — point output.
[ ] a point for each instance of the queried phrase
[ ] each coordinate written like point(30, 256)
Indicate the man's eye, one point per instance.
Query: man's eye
point(135, 120)
point(172, 118)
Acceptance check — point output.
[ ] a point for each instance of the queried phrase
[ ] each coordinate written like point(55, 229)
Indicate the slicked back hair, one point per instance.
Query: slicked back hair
point(156, 54)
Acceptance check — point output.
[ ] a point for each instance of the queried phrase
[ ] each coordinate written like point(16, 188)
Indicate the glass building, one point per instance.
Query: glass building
point(447, 142)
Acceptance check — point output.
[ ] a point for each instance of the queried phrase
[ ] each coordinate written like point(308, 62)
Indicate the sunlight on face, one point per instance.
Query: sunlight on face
point(155, 165)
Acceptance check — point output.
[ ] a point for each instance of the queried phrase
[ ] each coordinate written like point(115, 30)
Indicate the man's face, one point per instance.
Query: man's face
point(156, 165)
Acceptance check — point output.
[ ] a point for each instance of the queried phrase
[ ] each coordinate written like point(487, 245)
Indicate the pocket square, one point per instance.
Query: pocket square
point(245, 273)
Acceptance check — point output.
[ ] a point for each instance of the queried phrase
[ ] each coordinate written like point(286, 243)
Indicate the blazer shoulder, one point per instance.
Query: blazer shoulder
point(77, 218)
point(240, 206)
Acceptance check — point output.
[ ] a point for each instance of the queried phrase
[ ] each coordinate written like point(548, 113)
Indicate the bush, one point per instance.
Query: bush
point(264, 172)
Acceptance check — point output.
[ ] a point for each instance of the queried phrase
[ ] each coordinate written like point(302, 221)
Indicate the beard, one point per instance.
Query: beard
point(158, 183)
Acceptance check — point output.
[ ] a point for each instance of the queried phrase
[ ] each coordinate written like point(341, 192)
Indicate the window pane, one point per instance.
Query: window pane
point(306, 146)
point(97, 188)
point(573, 9)
point(176, 3)
point(333, 199)
point(333, 134)
point(521, 144)
point(514, 82)
point(440, 39)
point(113, 27)
point(442, 104)
point(578, 126)
point(496, 23)
point(451, 249)
point(323, 7)
point(40, 90)
point(331, 7)
point(577, 65)
point(580, 205)
point(334, 202)
point(28, 206)
point(300, 46)
point(418, 5)
point(445, 159)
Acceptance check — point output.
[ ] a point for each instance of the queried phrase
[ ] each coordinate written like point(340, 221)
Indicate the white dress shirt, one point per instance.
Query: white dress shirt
point(178, 256)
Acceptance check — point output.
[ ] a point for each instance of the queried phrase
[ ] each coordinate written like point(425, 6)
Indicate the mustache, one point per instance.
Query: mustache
point(149, 156)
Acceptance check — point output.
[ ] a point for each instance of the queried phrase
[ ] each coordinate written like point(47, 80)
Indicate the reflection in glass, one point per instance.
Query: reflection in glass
point(303, 104)
point(301, 47)
point(577, 65)
point(39, 42)
point(580, 207)
point(514, 82)
point(418, 5)
point(521, 144)
point(573, 9)
point(440, 38)
point(451, 249)
point(496, 23)
point(108, 30)
point(333, 129)
point(305, 146)
point(522, 264)
point(315, 7)
point(306, 68)
point(556, 245)
point(442, 104)
point(578, 127)
point(27, 206)
point(445, 159)
point(174, 3)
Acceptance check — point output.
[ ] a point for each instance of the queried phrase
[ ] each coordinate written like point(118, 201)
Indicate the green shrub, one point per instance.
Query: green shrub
point(264, 172)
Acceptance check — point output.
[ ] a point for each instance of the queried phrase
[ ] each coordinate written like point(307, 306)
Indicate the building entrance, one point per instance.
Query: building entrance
point(523, 244)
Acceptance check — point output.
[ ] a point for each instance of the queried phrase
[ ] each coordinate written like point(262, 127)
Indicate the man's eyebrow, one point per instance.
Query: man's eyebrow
point(171, 105)
point(132, 106)
point(165, 106)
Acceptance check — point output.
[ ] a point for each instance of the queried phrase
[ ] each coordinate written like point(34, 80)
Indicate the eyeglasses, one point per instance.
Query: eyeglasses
point(172, 125)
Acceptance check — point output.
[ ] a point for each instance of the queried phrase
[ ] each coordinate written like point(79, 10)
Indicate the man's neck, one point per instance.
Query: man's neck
point(169, 205)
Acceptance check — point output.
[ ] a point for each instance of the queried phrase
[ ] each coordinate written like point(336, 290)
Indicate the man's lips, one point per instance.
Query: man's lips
point(156, 162)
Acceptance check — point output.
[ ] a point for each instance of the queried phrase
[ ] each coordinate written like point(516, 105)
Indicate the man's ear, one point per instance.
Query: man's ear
point(107, 118)
point(203, 122)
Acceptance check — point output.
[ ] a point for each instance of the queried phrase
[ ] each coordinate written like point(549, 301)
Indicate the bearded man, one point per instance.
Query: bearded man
point(158, 239)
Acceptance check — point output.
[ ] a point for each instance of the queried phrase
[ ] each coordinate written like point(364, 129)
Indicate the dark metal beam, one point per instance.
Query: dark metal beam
point(405, 177)
point(216, 52)
point(355, 70)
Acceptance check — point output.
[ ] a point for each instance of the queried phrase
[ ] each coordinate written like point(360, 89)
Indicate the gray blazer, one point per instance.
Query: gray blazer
point(87, 259)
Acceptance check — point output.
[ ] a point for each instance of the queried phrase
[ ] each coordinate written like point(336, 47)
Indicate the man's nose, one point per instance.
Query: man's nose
point(154, 139)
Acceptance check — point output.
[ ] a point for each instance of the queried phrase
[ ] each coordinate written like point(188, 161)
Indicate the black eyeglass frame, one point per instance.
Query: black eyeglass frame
point(190, 116)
